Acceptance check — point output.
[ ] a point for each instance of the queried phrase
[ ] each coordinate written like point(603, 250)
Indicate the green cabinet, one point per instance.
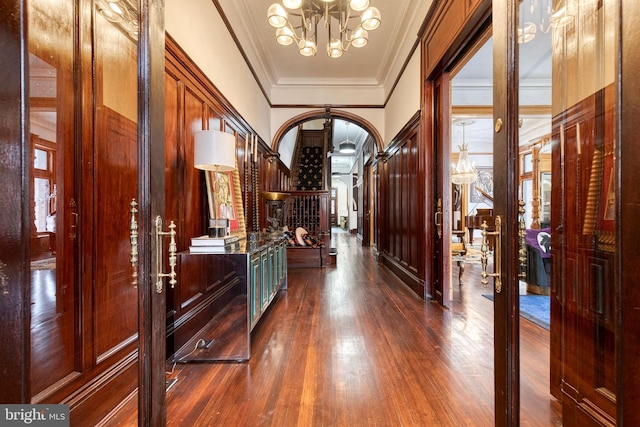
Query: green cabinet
point(267, 275)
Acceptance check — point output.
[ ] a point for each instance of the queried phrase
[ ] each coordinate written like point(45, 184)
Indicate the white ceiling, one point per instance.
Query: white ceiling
point(377, 65)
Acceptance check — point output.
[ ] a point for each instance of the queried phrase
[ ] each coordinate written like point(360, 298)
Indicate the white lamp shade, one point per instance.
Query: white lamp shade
point(284, 36)
point(214, 150)
point(370, 19)
point(360, 37)
point(359, 5)
point(307, 47)
point(292, 4)
point(277, 16)
point(335, 49)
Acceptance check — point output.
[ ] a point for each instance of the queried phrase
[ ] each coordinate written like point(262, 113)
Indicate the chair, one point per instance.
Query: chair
point(459, 251)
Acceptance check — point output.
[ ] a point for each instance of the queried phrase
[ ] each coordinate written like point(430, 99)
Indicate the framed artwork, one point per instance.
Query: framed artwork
point(481, 191)
point(354, 182)
point(224, 197)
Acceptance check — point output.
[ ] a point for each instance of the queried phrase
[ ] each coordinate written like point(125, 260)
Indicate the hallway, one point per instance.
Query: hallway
point(352, 346)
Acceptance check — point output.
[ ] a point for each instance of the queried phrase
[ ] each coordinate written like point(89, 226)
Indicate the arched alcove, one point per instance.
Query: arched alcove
point(326, 114)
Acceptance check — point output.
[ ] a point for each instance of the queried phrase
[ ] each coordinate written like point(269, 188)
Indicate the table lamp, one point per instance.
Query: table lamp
point(215, 151)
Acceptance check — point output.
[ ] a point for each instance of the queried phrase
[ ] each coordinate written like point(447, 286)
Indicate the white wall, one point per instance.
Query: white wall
point(405, 101)
point(215, 53)
point(328, 95)
point(343, 196)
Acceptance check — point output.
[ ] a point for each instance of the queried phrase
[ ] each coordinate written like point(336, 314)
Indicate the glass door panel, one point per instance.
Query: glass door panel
point(567, 93)
point(115, 166)
point(583, 106)
point(54, 331)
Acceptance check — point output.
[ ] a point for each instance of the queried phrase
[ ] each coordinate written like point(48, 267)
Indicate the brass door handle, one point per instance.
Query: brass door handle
point(133, 238)
point(522, 252)
point(438, 218)
point(73, 227)
point(172, 254)
point(484, 249)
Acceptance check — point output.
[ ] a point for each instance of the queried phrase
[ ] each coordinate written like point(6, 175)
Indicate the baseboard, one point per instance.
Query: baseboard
point(407, 276)
point(96, 399)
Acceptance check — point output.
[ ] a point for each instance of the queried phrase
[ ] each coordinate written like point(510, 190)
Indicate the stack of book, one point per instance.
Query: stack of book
point(212, 245)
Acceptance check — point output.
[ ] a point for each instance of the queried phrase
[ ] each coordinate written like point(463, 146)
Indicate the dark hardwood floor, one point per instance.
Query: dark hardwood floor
point(352, 346)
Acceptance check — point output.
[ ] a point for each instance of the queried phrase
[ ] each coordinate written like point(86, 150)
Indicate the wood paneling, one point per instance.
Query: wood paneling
point(449, 25)
point(115, 165)
point(586, 259)
point(628, 393)
point(403, 252)
point(15, 226)
point(192, 103)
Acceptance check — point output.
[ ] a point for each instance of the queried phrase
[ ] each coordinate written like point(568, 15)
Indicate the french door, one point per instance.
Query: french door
point(83, 136)
point(590, 303)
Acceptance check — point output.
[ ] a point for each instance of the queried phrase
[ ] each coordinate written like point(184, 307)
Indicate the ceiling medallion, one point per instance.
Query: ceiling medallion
point(336, 15)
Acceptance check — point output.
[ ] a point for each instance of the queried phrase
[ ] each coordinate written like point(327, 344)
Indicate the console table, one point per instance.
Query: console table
point(243, 282)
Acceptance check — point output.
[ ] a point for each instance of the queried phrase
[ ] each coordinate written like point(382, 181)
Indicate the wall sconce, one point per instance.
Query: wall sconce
point(215, 151)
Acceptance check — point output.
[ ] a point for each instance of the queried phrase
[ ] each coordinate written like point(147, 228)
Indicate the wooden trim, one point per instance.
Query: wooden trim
point(179, 62)
point(628, 203)
point(151, 198)
point(416, 44)
point(15, 305)
point(328, 112)
point(412, 124)
point(401, 206)
point(409, 277)
point(325, 106)
point(232, 33)
point(487, 110)
point(505, 103)
point(105, 391)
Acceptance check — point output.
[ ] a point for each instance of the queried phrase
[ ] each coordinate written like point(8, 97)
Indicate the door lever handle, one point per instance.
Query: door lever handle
point(172, 254)
point(522, 233)
point(133, 238)
point(484, 249)
point(438, 218)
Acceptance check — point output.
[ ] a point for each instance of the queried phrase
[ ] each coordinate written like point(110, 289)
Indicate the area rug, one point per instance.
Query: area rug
point(535, 308)
point(474, 256)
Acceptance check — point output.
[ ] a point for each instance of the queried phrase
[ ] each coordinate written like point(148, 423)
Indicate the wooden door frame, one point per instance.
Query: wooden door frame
point(506, 335)
point(506, 310)
point(628, 158)
point(151, 193)
point(15, 307)
point(366, 205)
point(440, 98)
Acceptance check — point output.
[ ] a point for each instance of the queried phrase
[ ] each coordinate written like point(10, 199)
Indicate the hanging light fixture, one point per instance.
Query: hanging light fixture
point(526, 28)
point(334, 13)
point(347, 147)
point(123, 13)
point(464, 172)
point(527, 32)
point(547, 17)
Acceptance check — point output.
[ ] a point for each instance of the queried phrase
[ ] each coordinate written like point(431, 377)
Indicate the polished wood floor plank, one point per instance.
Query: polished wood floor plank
point(352, 346)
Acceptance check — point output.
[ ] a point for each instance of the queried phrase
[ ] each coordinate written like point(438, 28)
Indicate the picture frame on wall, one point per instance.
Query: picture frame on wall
point(354, 193)
point(224, 199)
point(481, 191)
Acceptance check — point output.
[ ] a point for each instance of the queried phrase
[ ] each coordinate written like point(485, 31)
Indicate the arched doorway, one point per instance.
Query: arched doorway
point(353, 169)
